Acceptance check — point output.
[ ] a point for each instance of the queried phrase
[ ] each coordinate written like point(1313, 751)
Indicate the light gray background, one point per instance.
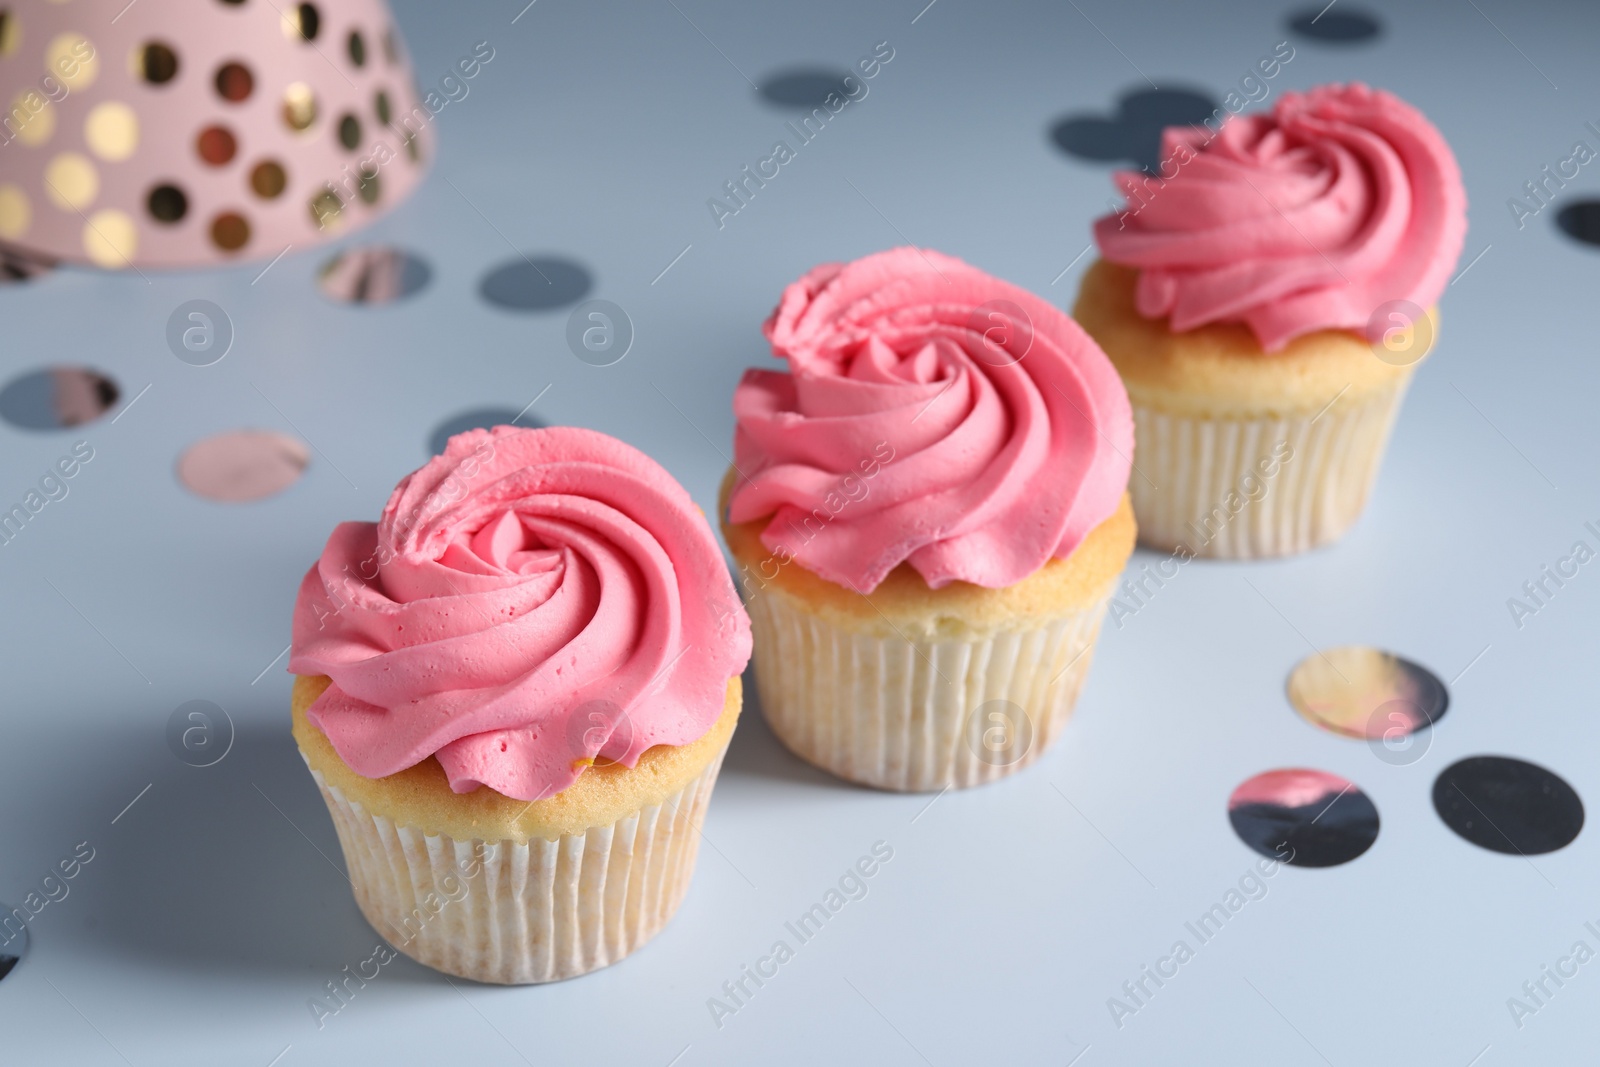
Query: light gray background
point(1008, 914)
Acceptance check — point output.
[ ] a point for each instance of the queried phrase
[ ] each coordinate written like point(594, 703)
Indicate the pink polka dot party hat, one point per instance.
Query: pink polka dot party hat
point(184, 133)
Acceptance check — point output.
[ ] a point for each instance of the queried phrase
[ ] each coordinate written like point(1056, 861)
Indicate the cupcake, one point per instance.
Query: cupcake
point(927, 513)
point(1266, 300)
point(515, 691)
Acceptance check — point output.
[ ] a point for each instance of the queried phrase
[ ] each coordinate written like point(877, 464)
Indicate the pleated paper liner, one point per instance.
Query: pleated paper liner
point(515, 912)
point(1243, 488)
point(917, 715)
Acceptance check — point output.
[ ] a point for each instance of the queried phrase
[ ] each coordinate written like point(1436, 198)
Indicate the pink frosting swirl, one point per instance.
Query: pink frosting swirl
point(531, 600)
point(1309, 218)
point(935, 415)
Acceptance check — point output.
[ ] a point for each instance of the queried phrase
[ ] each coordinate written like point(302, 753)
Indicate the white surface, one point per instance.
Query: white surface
point(1007, 916)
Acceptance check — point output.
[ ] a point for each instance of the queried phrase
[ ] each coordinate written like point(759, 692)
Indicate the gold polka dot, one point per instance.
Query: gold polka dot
point(112, 130)
point(216, 145)
point(167, 203)
point(234, 82)
point(350, 132)
point(268, 179)
point(71, 181)
point(301, 22)
point(299, 106)
point(72, 58)
point(327, 210)
point(10, 32)
point(153, 62)
point(15, 211)
point(230, 231)
point(31, 117)
point(110, 238)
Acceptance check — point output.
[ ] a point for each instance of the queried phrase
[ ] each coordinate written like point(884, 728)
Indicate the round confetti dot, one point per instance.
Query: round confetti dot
point(234, 82)
point(299, 106)
point(380, 107)
point(804, 87)
point(112, 130)
point(242, 465)
point(267, 179)
point(10, 32)
point(1133, 133)
point(350, 132)
point(535, 283)
point(73, 59)
point(56, 398)
point(1581, 221)
point(216, 145)
point(1303, 817)
point(155, 63)
point(15, 947)
point(301, 22)
point(1508, 805)
point(167, 203)
point(380, 275)
point(71, 181)
point(16, 211)
point(478, 419)
point(230, 231)
point(367, 188)
point(357, 47)
point(31, 118)
point(110, 238)
point(1336, 26)
point(1366, 693)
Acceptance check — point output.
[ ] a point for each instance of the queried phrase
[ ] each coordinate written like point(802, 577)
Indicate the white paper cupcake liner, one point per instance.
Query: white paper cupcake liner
point(917, 715)
point(1194, 472)
point(518, 912)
